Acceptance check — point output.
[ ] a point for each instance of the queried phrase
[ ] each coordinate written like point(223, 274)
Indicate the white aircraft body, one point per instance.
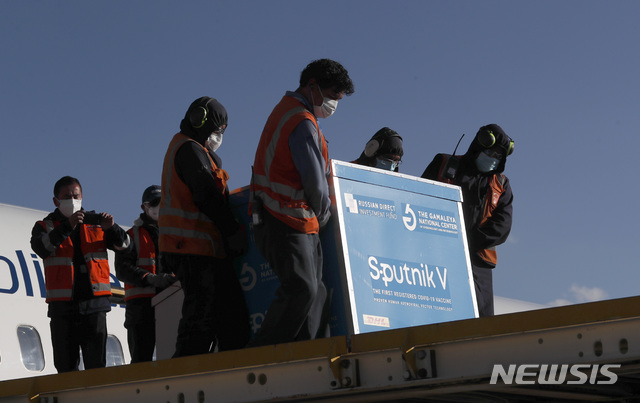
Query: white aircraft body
point(25, 337)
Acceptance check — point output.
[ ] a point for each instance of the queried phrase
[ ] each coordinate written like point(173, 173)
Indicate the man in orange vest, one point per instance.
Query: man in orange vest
point(291, 201)
point(137, 268)
point(199, 236)
point(487, 202)
point(73, 244)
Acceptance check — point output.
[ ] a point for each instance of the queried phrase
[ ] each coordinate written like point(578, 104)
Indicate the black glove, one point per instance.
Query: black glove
point(162, 280)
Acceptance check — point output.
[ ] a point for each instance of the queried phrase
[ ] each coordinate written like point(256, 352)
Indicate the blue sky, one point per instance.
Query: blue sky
point(97, 89)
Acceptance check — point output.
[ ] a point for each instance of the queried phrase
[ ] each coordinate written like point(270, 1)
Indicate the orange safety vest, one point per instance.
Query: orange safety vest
point(146, 260)
point(58, 266)
point(276, 181)
point(496, 188)
point(183, 228)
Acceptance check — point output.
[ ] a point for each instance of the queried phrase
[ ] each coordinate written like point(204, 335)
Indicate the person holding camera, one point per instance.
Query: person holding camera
point(137, 267)
point(73, 244)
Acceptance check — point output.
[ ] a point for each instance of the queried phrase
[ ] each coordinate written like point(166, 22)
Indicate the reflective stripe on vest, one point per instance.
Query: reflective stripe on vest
point(182, 227)
point(58, 261)
point(96, 256)
point(270, 152)
point(59, 268)
point(276, 181)
point(61, 294)
point(146, 251)
point(291, 209)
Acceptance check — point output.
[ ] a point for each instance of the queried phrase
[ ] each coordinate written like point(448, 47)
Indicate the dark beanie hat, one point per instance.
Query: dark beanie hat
point(388, 142)
point(491, 135)
point(203, 117)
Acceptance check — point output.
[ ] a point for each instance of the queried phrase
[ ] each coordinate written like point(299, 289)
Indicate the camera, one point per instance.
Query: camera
point(92, 219)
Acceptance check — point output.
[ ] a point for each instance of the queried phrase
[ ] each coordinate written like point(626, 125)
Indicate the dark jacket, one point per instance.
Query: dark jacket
point(126, 263)
point(475, 186)
point(194, 169)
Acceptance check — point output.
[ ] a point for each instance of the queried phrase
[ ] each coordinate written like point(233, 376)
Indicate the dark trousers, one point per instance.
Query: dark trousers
point(296, 258)
point(69, 333)
point(140, 323)
point(214, 311)
point(483, 281)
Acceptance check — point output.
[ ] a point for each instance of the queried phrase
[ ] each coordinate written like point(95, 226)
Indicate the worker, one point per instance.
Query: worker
point(73, 244)
point(199, 236)
point(137, 268)
point(383, 151)
point(291, 201)
point(487, 202)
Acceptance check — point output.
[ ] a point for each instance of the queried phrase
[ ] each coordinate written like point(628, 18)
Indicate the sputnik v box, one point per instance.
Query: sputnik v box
point(401, 251)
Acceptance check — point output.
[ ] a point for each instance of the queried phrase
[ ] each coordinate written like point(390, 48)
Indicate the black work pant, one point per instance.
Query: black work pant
point(483, 281)
point(71, 332)
point(296, 258)
point(214, 311)
point(140, 323)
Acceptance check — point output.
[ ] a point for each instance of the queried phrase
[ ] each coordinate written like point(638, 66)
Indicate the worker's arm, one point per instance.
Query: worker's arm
point(44, 243)
point(127, 269)
point(304, 143)
point(194, 168)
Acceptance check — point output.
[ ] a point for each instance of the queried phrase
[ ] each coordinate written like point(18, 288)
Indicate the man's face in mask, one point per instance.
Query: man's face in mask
point(323, 100)
point(152, 209)
point(69, 199)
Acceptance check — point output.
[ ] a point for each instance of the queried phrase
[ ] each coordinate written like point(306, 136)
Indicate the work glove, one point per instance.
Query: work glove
point(161, 281)
point(237, 242)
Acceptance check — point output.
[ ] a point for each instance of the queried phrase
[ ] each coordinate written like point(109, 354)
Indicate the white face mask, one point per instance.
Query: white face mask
point(326, 109)
point(69, 206)
point(213, 142)
point(153, 212)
